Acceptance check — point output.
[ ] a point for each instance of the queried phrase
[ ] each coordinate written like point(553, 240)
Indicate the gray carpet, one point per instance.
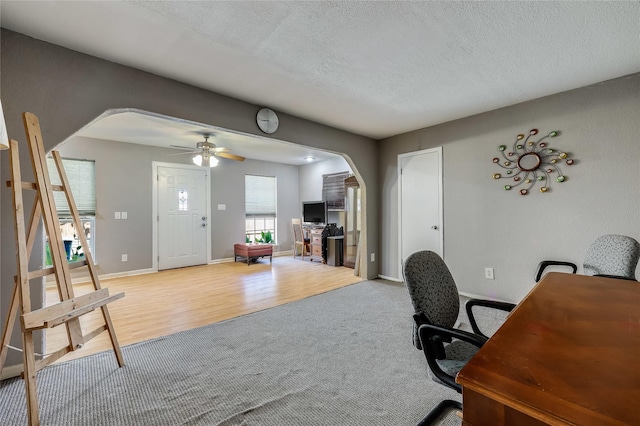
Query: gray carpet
point(340, 358)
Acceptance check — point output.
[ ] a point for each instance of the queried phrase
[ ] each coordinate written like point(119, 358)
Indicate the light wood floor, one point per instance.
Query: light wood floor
point(166, 302)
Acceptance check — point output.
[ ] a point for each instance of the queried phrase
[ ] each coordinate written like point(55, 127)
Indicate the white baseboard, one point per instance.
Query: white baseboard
point(127, 273)
point(218, 261)
point(11, 371)
point(462, 293)
point(87, 278)
point(395, 280)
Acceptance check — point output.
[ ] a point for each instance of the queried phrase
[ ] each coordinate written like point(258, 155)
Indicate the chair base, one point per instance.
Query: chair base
point(447, 404)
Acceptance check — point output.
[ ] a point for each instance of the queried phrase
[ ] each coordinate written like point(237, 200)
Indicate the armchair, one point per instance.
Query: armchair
point(612, 256)
point(436, 304)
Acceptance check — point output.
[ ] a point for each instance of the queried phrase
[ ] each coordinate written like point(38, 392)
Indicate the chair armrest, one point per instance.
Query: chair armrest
point(420, 318)
point(433, 333)
point(502, 306)
point(543, 265)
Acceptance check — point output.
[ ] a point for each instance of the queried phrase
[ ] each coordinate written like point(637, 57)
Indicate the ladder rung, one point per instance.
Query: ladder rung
point(33, 185)
point(49, 271)
point(82, 310)
point(67, 309)
point(95, 332)
point(77, 264)
point(51, 358)
point(41, 272)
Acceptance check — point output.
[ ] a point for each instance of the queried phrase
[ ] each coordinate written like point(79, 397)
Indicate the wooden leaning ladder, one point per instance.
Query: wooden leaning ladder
point(70, 308)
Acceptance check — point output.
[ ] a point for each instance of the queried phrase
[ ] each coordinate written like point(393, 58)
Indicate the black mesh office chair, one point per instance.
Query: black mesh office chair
point(613, 256)
point(436, 303)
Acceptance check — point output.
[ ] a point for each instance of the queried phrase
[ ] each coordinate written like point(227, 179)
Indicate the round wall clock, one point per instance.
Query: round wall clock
point(267, 120)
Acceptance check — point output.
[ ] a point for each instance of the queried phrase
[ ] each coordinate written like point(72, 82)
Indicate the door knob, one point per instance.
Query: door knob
point(204, 218)
point(434, 227)
point(204, 225)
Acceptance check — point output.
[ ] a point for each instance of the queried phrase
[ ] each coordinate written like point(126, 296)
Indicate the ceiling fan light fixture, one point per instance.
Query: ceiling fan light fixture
point(206, 153)
point(207, 160)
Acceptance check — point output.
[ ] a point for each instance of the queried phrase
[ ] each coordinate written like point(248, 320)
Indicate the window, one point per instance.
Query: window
point(260, 208)
point(82, 180)
point(183, 199)
point(333, 190)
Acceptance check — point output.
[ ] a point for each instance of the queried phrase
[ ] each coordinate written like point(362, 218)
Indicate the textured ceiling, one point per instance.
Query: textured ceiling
point(143, 128)
point(374, 68)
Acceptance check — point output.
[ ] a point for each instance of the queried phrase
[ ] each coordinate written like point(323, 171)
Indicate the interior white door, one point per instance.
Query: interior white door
point(420, 202)
point(182, 219)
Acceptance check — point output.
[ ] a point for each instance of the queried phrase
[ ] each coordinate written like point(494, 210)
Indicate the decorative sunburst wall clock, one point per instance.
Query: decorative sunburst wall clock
point(529, 162)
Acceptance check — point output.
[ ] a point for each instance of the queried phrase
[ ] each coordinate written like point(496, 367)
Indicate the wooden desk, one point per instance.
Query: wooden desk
point(315, 235)
point(569, 354)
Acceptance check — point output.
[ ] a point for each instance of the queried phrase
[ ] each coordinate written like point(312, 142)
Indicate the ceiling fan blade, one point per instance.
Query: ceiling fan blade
point(202, 133)
point(182, 147)
point(183, 153)
point(219, 149)
point(230, 156)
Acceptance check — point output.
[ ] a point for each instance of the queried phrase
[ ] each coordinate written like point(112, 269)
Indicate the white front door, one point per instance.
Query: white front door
point(182, 217)
point(420, 177)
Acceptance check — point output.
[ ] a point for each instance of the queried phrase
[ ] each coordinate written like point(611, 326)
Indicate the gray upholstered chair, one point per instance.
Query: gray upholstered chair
point(614, 256)
point(436, 304)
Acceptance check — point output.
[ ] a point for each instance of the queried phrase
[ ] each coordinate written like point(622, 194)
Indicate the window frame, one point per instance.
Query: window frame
point(257, 208)
point(88, 202)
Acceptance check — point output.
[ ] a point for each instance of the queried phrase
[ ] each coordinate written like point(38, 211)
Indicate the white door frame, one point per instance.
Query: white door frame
point(437, 150)
point(154, 209)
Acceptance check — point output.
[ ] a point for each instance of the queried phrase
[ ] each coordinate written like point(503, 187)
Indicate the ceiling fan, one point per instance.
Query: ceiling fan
point(206, 152)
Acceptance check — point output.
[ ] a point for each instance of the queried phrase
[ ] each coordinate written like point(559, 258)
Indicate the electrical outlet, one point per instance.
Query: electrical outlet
point(373, 257)
point(488, 273)
point(125, 257)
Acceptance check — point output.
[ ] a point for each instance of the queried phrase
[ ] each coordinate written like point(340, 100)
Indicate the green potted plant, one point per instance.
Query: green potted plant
point(265, 238)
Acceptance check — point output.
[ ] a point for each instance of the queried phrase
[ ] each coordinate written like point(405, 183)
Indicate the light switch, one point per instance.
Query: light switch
point(222, 206)
point(124, 215)
point(488, 273)
point(117, 215)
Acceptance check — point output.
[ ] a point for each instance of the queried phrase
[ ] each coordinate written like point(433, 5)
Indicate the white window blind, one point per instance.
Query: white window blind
point(82, 180)
point(333, 190)
point(260, 195)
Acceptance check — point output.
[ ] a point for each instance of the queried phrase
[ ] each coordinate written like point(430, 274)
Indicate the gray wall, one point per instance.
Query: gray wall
point(131, 191)
point(123, 183)
point(227, 187)
point(67, 90)
point(486, 226)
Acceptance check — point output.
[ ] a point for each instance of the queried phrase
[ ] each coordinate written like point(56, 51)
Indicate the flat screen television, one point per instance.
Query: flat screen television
point(314, 212)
